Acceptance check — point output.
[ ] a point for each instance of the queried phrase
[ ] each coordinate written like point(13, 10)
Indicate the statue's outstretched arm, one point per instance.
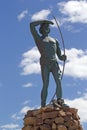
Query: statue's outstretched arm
point(39, 22)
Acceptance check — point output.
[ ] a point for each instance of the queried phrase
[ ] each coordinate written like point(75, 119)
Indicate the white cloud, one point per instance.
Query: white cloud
point(27, 85)
point(26, 102)
point(22, 15)
point(19, 115)
point(41, 14)
point(9, 126)
point(30, 62)
point(81, 105)
point(16, 117)
point(74, 11)
point(25, 109)
point(76, 65)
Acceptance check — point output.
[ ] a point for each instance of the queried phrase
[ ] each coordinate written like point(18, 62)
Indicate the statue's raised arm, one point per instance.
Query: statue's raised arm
point(38, 23)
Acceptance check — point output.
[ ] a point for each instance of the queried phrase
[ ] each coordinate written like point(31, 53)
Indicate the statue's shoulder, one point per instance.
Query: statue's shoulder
point(52, 39)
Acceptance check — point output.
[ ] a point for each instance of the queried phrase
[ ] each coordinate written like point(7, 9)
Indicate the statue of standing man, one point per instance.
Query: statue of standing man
point(48, 48)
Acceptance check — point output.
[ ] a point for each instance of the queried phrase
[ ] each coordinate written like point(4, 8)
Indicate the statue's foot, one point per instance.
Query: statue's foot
point(61, 102)
point(55, 103)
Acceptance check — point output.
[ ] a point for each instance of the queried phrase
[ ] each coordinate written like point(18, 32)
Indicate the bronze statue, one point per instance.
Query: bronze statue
point(48, 48)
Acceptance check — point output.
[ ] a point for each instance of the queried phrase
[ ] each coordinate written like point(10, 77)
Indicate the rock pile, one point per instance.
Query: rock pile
point(52, 118)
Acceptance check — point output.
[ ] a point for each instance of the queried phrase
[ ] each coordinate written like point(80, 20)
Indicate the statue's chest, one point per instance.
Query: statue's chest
point(49, 45)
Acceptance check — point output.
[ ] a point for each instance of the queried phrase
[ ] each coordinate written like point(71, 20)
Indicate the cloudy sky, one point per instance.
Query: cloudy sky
point(20, 78)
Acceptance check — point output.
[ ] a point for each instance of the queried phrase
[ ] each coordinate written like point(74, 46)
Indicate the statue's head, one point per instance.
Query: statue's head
point(44, 28)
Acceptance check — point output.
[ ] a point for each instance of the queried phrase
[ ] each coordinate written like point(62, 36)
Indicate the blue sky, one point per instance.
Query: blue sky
point(20, 79)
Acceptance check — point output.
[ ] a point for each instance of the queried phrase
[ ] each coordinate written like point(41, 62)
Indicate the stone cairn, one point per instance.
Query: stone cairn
point(52, 118)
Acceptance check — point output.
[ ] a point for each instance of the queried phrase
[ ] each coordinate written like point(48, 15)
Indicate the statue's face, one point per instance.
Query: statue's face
point(45, 29)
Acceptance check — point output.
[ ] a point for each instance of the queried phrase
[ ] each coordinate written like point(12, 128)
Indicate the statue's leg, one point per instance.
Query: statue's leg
point(57, 76)
point(45, 78)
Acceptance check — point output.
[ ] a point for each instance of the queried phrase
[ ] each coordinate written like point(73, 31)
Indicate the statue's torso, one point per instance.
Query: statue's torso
point(47, 47)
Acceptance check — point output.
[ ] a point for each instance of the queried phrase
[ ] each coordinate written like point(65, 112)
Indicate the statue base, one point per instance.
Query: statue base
point(52, 118)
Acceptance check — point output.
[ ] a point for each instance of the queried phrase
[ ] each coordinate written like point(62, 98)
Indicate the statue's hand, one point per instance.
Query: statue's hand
point(64, 57)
